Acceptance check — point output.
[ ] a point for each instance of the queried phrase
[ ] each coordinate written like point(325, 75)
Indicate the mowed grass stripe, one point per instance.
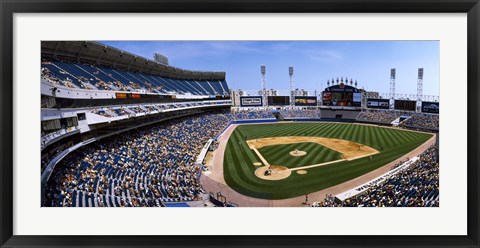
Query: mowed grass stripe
point(244, 146)
point(368, 137)
point(344, 132)
point(401, 137)
point(337, 131)
point(376, 136)
point(273, 153)
point(383, 138)
point(395, 137)
point(325, 132)
point(318, 130)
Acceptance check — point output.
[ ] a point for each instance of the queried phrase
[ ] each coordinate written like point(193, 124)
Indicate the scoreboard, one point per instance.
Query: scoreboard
point(342, 95)
point(251, 101)
point(305, 101)
point(406, 105)
point(430, 107)
point(378, 103)
point(278, 100)
point(342, 99)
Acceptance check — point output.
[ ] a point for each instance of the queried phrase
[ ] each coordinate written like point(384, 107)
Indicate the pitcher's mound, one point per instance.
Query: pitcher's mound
point(298, 153)
point(301, 172)
point(257, 163)
point(278, 172)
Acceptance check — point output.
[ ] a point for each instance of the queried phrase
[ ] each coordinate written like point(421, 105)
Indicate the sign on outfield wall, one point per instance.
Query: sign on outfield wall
point(378, 103)
point(251, 101)
point(430, 107)
point(305, 101)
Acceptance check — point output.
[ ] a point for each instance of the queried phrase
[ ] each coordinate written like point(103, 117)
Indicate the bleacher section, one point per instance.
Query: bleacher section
point(422, 121)
point(379, 116)
point(253, 114)
point(301, 113)
point(89, 77)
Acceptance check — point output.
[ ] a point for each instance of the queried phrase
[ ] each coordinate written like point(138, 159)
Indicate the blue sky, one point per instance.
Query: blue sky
point(314, 62)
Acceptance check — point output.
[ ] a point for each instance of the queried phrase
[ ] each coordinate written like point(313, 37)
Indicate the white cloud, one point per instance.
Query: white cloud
point(324, 55)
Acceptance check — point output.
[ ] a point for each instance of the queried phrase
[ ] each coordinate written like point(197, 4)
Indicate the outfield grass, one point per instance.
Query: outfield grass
point(316, 154)
point(239, 169)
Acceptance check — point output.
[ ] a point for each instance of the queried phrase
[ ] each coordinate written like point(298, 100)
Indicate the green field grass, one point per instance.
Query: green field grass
point(239, 169)
point(316, 154)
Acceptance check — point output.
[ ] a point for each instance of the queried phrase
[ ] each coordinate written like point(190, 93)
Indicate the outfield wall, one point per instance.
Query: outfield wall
point(345, 114)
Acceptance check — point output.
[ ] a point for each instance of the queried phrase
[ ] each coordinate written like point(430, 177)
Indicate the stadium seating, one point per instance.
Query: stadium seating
point(414, 186)
point(90, 77)
point(253, 114)
point(144, 167)
point(380, 116)
point(422, 121)
point(300, 113)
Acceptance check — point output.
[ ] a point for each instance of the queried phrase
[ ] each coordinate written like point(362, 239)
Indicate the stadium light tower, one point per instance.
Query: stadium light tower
point(292, 94)
point(263, 70)
point(392, 87)
point(419, 89)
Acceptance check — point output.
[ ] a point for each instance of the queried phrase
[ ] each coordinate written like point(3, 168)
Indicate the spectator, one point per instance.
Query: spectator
point(414, 186)
point(142, 167)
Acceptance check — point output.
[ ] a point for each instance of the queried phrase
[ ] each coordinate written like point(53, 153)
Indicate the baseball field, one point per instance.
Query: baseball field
point(302, 158)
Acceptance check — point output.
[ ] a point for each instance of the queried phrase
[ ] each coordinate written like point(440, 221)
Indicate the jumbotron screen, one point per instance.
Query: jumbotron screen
point(305, 101)
point(405, 105)
point(430, 107)
point(278, 100)
point(342, 99)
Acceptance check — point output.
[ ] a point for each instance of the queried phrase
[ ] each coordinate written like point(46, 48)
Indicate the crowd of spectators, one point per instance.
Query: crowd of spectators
point(413, 186)
point(253, 114)
point(422, 121)
point(85, 76)
point(103, 112)
point(137, 110)
point(301, 113)
point(49, 77)
point(378, 116)
point(143, 167)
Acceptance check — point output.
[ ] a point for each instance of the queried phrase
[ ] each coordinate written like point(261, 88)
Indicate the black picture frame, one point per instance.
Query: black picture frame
point(10, 7)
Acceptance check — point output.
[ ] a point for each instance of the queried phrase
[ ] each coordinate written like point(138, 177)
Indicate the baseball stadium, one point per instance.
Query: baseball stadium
point(122, 130)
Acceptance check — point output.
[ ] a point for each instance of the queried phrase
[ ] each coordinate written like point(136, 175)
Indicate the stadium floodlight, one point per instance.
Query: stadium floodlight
point(419, 89)
point(263, 71)
point(159, 58)
point(292, 94)
point(393, 72)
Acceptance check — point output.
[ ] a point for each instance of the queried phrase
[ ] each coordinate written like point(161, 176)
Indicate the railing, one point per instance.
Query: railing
point(48, 138)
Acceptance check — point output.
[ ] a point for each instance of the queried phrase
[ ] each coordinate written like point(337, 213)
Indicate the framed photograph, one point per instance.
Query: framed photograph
point(215, 123)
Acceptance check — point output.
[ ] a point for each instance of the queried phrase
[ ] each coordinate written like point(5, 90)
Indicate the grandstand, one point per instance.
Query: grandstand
point(121, 72)
point(103, 113)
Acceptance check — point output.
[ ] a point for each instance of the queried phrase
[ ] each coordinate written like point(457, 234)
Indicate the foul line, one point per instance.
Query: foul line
point(316, 165)
point(260, 156)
